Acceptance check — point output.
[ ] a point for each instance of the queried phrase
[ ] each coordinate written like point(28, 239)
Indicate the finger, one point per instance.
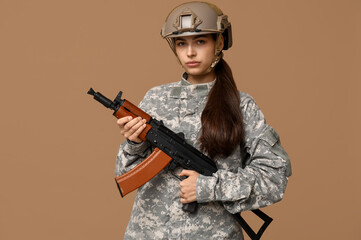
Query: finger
point(186, 200)
point(131, 127)
point(182, 196)
point(185, 172)
point(130, 131)
point(136, 125)
point(135, 135)
point(131, 123)
point(122, 121)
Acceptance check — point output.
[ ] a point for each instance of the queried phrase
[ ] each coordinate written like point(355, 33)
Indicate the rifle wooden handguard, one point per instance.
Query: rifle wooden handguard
point(129, 109)
point(143, 172)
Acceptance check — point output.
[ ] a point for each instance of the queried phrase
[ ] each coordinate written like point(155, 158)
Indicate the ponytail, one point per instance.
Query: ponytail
point(222, 122)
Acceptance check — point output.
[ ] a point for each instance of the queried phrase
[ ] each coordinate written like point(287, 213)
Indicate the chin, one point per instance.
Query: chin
point(196, 72)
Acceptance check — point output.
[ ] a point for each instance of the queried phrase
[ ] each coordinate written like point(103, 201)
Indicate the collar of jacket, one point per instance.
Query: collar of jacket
point(185, 89)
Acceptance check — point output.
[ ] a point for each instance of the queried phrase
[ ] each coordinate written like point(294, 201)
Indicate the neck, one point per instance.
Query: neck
point(204, 78)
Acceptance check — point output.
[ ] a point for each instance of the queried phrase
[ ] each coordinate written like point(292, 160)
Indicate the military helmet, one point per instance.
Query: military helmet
point(197, 18)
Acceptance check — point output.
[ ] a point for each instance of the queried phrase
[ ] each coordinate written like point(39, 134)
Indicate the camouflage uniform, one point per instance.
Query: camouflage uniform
point(157, 211)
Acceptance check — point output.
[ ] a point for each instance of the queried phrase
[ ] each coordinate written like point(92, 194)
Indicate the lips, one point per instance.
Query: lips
point(193, 64)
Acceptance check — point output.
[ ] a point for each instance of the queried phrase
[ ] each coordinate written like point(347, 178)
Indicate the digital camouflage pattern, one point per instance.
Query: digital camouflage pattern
point(157, 211)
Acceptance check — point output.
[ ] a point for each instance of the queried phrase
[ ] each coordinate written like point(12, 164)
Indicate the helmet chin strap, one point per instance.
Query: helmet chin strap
point(217, 58)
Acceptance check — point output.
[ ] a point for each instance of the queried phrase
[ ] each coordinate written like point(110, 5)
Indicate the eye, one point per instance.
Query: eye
point(201, 41)
point(179, 43)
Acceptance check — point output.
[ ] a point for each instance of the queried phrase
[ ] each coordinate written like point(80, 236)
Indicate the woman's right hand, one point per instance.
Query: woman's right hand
point(130, 127)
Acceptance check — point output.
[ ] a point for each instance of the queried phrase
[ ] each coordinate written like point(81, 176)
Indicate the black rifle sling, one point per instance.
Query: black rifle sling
point(254, 236)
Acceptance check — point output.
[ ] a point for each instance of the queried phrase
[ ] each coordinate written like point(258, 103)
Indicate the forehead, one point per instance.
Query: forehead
point(193, 37)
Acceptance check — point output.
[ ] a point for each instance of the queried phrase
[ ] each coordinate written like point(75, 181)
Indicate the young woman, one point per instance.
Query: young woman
point(217, 119)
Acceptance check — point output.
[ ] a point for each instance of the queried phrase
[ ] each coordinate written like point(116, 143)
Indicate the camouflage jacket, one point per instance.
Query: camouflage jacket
point(157, 210)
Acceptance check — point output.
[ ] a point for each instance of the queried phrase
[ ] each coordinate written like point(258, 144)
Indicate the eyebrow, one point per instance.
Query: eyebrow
point(194, 38)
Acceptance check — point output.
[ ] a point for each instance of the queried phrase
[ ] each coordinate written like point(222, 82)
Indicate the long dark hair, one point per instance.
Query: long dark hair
point(222, 122)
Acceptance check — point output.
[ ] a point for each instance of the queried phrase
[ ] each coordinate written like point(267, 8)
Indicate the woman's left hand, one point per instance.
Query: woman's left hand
point(188, 186)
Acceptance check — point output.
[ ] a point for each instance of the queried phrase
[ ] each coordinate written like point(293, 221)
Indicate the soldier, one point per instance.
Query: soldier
point(216, 118)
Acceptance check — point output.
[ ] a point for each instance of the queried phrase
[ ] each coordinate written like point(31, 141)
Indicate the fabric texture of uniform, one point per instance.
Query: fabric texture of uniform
point(157, 211)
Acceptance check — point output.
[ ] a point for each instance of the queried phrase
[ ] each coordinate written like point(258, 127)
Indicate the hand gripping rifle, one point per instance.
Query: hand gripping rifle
point(170, 150)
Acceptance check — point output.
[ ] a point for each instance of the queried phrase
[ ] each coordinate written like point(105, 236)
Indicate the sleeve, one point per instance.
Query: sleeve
point(130, 154)
point(263, 181)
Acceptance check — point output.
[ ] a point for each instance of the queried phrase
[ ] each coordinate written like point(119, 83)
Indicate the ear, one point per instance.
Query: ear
point(221, 42)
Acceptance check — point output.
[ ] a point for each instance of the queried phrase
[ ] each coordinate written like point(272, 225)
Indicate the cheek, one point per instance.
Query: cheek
point(210, 55)
point(208, 50)
point(211, 50)
point(177, 51)
point(181, 55)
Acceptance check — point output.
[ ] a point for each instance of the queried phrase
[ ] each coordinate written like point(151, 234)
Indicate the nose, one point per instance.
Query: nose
point(191, 51)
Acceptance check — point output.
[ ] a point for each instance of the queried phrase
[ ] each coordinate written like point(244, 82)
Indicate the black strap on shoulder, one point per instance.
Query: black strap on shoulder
point(254, 236)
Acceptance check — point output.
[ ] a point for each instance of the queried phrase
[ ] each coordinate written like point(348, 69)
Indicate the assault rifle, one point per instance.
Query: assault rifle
point(170, 150)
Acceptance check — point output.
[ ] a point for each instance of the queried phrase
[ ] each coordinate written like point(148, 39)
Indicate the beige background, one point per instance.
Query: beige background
point(300, 60)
